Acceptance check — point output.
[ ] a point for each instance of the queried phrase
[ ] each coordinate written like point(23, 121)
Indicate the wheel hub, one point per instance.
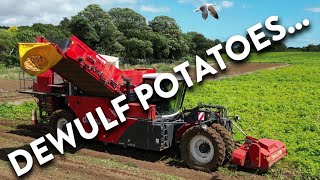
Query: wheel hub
point(61, 124)
point(201, 148)
point(204, 148)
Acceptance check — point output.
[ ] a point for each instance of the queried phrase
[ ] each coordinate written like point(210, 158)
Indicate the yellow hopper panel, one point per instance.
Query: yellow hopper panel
point(37, 58)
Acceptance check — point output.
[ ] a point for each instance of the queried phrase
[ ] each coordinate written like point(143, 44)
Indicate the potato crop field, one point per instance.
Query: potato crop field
point(281, 102)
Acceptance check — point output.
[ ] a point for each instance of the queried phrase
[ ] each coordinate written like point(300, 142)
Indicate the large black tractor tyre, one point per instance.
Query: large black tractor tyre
point(58, 120)
point(202, 149)
point(228, 141)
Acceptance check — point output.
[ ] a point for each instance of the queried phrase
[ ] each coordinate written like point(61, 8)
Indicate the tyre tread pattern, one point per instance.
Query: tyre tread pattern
point(55, 116)
point(228, 141)
point(219, 151)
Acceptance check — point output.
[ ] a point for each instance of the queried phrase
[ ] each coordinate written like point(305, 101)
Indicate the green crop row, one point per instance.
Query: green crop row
point(20, 112)
point(282, 104)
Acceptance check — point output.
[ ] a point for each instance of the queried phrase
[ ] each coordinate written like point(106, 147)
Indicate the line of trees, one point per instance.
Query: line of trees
point(119, 32)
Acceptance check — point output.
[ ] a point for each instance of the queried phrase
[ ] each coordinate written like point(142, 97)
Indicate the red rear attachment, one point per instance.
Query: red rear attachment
point(259, 153)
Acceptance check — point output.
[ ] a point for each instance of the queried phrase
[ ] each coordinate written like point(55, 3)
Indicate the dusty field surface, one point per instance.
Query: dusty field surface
point(9, 91)
point(234, 69)
point(93, 160)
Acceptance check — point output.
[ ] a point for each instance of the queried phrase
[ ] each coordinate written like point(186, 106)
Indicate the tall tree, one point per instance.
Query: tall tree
point(108, 35)
point(8, 51)
point(161, 47)
point(49, 31)
point(64, 25)
point(199, 44)
point(84, 30)
point(139, 48)
point(169, 28)
point(129, 22)
point(27, 35)
point(135, 29)
point(7, 41)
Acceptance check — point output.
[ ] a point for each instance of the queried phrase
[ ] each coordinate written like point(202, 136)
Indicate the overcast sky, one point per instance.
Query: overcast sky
point(235, 15)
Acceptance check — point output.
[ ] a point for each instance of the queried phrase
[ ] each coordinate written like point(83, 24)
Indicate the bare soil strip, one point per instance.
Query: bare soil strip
point(92, 162)
point(236, 69)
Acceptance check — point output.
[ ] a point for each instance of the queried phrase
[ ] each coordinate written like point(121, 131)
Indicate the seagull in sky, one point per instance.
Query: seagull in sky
point(205, 8)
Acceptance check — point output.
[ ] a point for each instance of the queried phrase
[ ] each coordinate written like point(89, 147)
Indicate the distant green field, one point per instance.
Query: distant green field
point(10, 73)
point(282, 104)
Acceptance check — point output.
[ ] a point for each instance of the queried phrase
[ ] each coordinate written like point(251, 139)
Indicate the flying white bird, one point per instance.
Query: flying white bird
point(205, 8)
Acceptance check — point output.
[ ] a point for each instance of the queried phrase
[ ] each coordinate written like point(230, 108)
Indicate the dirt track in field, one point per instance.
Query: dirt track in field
point(234, 69)
point(9, 91)
point(93, 160)
point(87, 161)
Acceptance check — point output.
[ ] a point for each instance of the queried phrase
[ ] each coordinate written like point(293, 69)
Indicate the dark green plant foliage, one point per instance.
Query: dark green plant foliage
point(281, 104)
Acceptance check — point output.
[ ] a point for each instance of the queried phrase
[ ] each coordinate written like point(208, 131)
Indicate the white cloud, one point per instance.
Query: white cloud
point(9, 20)
point(27, 12)
point(315, 9)
point(153, 9)
point(227, 4)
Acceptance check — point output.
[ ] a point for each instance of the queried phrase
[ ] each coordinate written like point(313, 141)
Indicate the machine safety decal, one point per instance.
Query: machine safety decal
point(201, 116)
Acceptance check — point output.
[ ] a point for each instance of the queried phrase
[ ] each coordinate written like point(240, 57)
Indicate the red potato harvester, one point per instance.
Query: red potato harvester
point(72, 80)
